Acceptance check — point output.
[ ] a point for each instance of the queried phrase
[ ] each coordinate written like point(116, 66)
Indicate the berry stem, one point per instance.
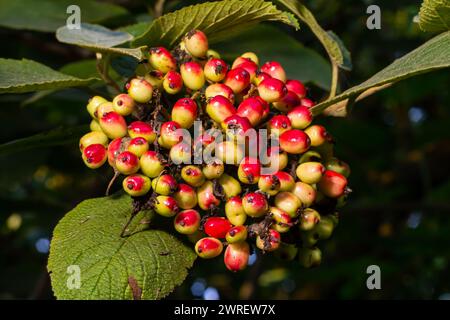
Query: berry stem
point(102, 68)
point(111, 182)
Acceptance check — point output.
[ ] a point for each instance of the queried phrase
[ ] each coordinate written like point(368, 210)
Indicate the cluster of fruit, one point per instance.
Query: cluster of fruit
point(231, 198)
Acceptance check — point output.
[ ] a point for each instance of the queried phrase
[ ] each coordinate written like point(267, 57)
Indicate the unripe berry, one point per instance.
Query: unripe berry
point(272, 90)
point(278, 124)
point(123, 104)
point(113, 125)
point(115, 147)
point(283, 221)
point(219, 108)
point(310, 172)
point(269, 184)
point(309, 218)
point(235, 211)
point(142, 129)
point(305, 192)
point(205, 196)
point(310, 156)
point(184, 112)
point(215, 70)
point(180, 153)
point(332, 184)
point(219, 89)
point(237, 79)
point(273, 242)
point(236, 256)
point(252, 108)
point(294, 141)
point(217, 227)
point(208, 248)
point(286, 251)
point(94, 155)
point(229, 152)
point(95, 126)
point(300, 117)
point(212, 54)
point(287, 182)
point(341, 201)
point(103, 109)
point(155, 78)
point(249, 170)
point(186, 197)
point(164, 184)
point(260, 77)
point(93, 104)
point(166, 206)
point(173, 82)
point(140, 90)
point(339, 166)
point(275, 70)
point(187, 221)
point(127, 163)
point(170, 133)
point(309, 238)
point(138, 146)
point(192, 74)
point(213, 170)
point(249, 66)
point(276, 158)
point(309, 257)
point(324, 228)
point(235, 128)
point(317, 134)
point(307, 103)
point(252, 56)
point(287, 103)
point(93, 137)
point(136, 185)
point(255, 204)
point(161, 59)
point(297, 87)
point(231, 187)
point(193, 175)
point(288, 202)
point(196, 43)
point(151, 164)
point(236, 234)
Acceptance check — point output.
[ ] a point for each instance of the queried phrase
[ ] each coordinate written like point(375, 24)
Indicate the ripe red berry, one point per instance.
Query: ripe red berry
point(136, 185)
point(287, 103)
point(282, 220)
point(170, 134)
point(249, 66)
point(236, 256)
point(193, 175)
point(339, 166)
point(260, 77)
point(275, 70)
point(187, 221)
point(184, 112)
point(185, 196)
point(249, 170)
point(94, 155)
point(300, 117)
point(215, 70)
point(273, 242)
point(140, 90)
point(297, 87)
point(208, 248)
point(217, 227)
point(113, 125)
point(278, 124)
point(206, 198)
point(166, 206)
point(127, 163)
point(332, 184)
point(164, 184)
point(161, 59)
point(294, 141)
point(307, 103)
point(236, 127)
point(287, 182)
point(196, 43)
point(114, 149)
point(192, 74)
point(252, 108)
point(138, 146)
point(318, 135)
point(94, 137)
point(151, 164)
point(141, 129)
point(219, 108)
point(237, 79)
point(255, 204)
point(219, 89)
point(236, 234)
point(103, 109)
point(271, 90)
point(173, 82)
point(269, 184)
point(251, 56)
point(123, 104)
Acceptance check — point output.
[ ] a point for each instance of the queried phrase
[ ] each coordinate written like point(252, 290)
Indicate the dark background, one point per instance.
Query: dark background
point(397, 142)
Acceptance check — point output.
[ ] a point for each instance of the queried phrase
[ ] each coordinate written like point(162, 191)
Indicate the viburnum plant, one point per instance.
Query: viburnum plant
point(211, 154)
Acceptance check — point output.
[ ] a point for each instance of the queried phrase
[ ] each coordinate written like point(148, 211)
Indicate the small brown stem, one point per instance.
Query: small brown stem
point(111, 182)
point(125, 227)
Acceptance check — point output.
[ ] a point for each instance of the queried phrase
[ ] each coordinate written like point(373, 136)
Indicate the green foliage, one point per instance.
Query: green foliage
point(146, 264)
point(49, 15)
point(218, 20)
point(99, 39)
point(432, 55)
point(26, 76)
point(434, 15)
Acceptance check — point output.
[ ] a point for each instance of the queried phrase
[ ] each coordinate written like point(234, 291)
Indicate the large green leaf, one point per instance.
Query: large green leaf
point(27, 76)
point(99, 39)
point(432, 55)
point(148, 262)
point(49, 15)
point(218, 20)
point(299, 62)
point(332, 44)
point(434, 15)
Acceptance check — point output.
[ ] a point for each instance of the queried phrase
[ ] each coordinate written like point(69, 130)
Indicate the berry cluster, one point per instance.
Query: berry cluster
point(268, 195)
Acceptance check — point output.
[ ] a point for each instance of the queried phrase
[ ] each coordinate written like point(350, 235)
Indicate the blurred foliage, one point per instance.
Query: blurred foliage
point(397, 142)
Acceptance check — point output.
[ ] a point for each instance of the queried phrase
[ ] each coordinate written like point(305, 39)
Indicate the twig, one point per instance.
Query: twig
point(334, 80)
point(102, 66)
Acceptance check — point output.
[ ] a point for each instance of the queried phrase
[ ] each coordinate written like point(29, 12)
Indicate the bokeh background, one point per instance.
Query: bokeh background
point(397, 142)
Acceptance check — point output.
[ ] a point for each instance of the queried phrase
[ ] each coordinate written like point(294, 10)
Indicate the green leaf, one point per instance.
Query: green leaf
point(432, 55)
point(332, 44)
point(27, 76)
point(149, 262)
point(99, 39)
point(49, 15)
point(299, 62)
point(55, 137)
point(434, 15)
point(218, 20)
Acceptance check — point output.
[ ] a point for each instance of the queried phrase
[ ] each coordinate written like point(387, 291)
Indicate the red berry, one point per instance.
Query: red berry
point(255, 204)
point(151, 164)
point(318, 135)
point(141, 129)
point(260, 77)
point(215, 70)
point(127, 163)
point(271, 90)
point(310, 172)
point(307, 103)
point(161, 59)
point(164, 184)
point(192, 74)
point(217, 227)
point(94, 155)
point(170, 133)
point(252, 108)
point(155, 78)
point(196, 43)
point(236, 234)
point(138, 146)
point(287, 182)
point(294, 141)
point(165, 206)
point(332, 184)
point(249, 170)
point(249, 66)
point(206, 198)
point(300, 117)
point(269, 184)
point(236, 256)
point(237, 79)
point(172, 82)
point(278, 124)
point(185, 196)
point(94, 137)
point(208, 248)
point(187, 221)
point(273, 241)
point(219, 89)
point(235, 128)
point(140, 90)
point(297, 87)
point(288, 102)
point(114, 149)
point(123, 104)
point(193, 175)
point(275, 70)
point(184, 112)
point(180, 153)
point(219, 108)
point(136, 185)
